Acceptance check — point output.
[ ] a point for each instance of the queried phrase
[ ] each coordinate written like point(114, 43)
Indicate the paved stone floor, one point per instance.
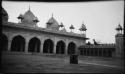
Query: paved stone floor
point(37, 63)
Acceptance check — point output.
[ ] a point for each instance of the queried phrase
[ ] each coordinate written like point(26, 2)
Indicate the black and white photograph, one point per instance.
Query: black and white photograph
point(62, 36)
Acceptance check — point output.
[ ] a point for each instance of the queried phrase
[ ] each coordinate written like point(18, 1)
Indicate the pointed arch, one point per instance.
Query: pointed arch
point(60, 47)
point(71, 48)
point(48, 46)
point(34, 45)
point(18, 43)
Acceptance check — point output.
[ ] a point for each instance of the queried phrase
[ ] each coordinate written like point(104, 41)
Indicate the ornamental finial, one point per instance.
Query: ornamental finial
point(29, 6)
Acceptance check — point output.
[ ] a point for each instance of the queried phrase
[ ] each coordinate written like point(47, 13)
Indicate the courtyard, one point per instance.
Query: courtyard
point(20, 62)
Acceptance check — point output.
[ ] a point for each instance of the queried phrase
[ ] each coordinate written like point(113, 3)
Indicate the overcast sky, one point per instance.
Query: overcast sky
point(100, 17)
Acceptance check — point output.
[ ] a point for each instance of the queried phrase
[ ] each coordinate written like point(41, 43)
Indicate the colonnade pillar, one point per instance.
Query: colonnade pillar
point(9, 44)
point(66, 49)
point(41, 47)
point(54, 48)
point(26, 46)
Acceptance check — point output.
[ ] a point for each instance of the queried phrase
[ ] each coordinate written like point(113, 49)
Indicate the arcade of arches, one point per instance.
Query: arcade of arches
point(18, 43)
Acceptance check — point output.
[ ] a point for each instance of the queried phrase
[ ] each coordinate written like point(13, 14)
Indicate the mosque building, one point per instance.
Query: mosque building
point(27, 37)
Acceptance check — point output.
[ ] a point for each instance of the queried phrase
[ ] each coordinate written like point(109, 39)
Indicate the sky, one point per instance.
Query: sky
point(100, 17)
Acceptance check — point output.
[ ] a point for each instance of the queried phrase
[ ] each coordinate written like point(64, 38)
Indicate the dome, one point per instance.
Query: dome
point(28, 18)
point(4, 16)
point(29, 14)
point(53, 21)
point(52, 24)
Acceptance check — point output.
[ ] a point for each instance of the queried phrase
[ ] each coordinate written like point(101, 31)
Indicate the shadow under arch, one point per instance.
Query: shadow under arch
point(71, 48)
point(48, 46)
point(18, 43)
point(34, 45)
point(60, 47)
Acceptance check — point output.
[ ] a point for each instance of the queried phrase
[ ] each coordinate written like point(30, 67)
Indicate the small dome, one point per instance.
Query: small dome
point(53, 21)
point(71, 27)
point(119, 27)
point(52, 24)
point(20, 16)
point(61, 25)
point(83, 28)
point(4, 16)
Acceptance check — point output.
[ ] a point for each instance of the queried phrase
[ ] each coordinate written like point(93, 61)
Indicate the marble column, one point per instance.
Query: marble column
point(41, 47)
point(26, 46)
point(66, 49)
point(9, 44)
point(54, 48)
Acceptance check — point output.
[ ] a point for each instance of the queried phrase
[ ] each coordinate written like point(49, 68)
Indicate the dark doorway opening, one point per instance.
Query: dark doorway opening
point(34, 45)
point(60, 47)
point(48, 46)
point(71, 48)
point(18, 44)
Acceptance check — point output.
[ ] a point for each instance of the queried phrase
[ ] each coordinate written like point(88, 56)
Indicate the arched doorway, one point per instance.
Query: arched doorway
point(34, 45)
point(18, 43)
point(4, 40)
point(60, 47)
point(48, 46)
point(71, 48)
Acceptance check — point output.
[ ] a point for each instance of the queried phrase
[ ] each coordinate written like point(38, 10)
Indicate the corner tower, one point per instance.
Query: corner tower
point(119, 42)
